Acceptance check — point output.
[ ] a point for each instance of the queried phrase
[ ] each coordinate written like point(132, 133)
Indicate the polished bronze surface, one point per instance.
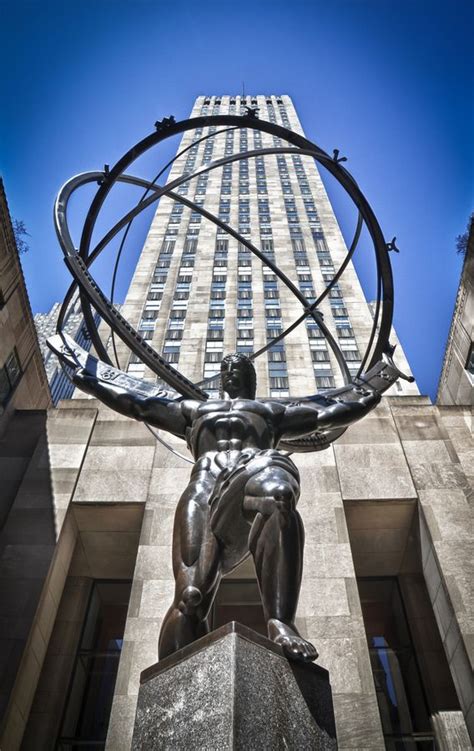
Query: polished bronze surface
point(242, 494)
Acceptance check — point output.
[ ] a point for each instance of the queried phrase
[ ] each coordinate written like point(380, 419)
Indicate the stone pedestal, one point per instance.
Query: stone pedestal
point(234, 689)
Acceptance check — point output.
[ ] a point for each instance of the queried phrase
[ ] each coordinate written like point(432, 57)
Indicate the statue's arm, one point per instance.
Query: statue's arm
point(306, 417)
point(162, 413)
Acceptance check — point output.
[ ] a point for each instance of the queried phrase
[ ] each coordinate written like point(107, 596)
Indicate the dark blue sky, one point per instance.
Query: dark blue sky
point(388, 82)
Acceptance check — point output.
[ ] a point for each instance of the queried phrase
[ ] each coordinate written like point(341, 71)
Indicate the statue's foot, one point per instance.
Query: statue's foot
point(295, 647)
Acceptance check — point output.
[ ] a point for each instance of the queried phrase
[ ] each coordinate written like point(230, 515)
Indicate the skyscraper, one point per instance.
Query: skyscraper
point(60, 385)
point(197, 293)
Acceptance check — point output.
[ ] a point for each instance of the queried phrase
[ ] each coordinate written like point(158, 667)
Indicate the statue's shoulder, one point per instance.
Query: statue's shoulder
point(271, 405)
point(194, 409)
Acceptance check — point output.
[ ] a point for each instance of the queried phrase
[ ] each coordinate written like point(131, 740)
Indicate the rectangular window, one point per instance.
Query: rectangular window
point(279, 382)
point(214, 347)
point(215, 334)
point(322, 368)
point(272, 333)
point(314, 332)
point(276, 355)
point(320, 355)
point(149, 315)
point(470, 360)
point(399, 683)
point(174, 334)
point(301, 261)
point(277, 368)
point(213, 356)
point(339, 312)
point(344, 331)
point(171, 357)
point(9, 377)
point(245, 334)
point(167, 247)
point(145, 334)
point(325, 382)
point(267, 246)
point(87, 712)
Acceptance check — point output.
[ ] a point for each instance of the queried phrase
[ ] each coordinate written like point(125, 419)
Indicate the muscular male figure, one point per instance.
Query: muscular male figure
point(241, 498)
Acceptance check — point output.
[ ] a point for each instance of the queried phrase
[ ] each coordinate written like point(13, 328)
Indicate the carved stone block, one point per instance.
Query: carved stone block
point(234, 689)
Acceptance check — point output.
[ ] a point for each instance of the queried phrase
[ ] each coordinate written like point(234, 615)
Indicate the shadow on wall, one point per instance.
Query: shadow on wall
point(28, 536)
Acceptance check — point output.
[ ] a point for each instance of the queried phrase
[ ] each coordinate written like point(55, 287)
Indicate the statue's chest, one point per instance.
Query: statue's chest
point(231, 427)
point(235, 426)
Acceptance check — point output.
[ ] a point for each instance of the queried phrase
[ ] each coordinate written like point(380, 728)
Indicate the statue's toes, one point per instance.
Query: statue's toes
point(312, 652)
point(300, 649)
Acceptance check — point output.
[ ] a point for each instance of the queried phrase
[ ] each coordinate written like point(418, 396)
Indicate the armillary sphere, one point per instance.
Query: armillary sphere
point(377, 371)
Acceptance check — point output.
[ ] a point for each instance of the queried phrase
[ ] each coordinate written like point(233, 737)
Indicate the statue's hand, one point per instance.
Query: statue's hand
point(370, 399)
point(84, 381)
point(79, 376)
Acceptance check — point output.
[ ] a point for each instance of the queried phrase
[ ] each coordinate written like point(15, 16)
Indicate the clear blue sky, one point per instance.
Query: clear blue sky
point(389, 82)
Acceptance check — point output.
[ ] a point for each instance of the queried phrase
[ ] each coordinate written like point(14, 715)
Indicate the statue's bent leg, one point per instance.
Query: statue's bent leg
point(196, 569)
point(276, 542)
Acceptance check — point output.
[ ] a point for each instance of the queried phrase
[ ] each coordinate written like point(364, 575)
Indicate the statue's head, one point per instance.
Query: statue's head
point(238, 376)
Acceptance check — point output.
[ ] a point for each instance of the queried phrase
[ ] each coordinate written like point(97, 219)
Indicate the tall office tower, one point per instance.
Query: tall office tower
point(197, 293)
point(59, 383)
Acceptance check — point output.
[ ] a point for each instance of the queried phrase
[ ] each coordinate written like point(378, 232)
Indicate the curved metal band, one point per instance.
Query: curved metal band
point(130, 335)
point(134, 341)
point(126, 332)
point(339, 172)
point(168, 191)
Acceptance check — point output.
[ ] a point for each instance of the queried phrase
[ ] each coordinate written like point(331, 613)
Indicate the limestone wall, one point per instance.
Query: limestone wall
point(401, 474)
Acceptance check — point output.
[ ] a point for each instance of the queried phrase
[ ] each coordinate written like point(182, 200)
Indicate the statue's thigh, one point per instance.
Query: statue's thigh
point(272, 489)
point(192, 534)
point(230, 526)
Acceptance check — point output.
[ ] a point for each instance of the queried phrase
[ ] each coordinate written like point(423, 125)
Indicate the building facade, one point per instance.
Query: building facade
point(386, 594)
point(456, 384)
point(24, 398)
point(60, 385)
point(23, 384)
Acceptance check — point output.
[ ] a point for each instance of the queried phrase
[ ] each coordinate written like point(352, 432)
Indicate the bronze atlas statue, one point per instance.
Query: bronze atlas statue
point(242, 493)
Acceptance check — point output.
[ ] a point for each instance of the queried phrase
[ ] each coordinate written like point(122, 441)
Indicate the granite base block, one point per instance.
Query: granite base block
point(234, 689)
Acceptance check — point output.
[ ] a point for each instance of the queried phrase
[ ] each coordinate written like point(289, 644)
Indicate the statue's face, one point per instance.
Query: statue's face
point(233, 381)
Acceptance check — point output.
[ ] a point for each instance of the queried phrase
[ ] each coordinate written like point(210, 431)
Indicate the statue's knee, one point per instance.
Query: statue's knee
point(284, 499)
point(189, 600)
